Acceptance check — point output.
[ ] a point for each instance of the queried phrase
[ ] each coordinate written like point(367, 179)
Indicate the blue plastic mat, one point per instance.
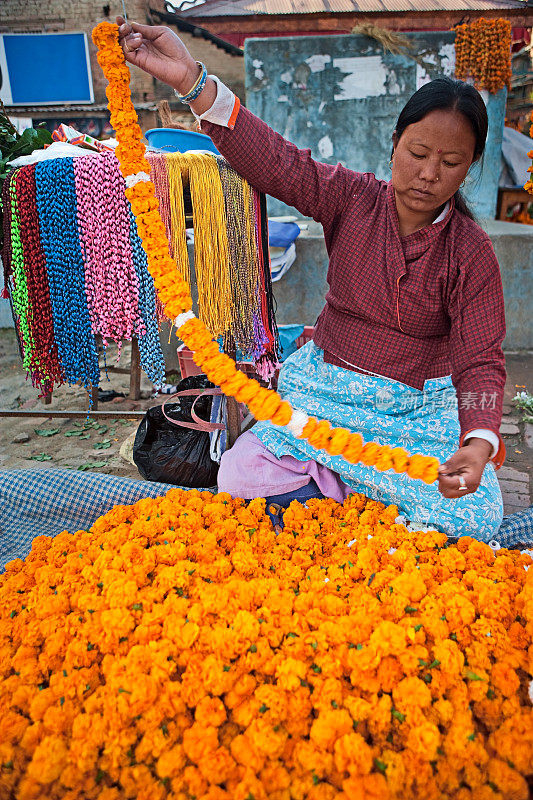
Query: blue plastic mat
point(44, 502)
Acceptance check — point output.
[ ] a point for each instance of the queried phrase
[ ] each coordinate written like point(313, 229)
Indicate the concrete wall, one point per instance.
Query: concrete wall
point(340, 96)
point(300, 293)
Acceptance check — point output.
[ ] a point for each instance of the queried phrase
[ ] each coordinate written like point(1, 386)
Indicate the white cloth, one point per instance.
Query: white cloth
point(56, 150)
point(222, 109)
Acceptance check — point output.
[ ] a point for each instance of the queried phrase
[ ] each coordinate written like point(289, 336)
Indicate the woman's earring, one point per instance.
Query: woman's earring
point(390, 164)
point(463, 183)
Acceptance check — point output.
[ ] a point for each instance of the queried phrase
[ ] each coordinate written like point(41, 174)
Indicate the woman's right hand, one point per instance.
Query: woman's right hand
point(158, 51)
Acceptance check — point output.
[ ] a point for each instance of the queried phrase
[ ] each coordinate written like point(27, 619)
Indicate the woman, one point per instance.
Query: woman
point(408, 347)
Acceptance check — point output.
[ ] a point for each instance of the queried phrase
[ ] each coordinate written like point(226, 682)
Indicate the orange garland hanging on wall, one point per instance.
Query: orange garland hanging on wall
point(483, 53)
point(173, 292)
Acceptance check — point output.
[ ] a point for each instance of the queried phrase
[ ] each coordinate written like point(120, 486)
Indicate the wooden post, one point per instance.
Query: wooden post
point(233, 423)
point(94, 397)
point(135, 371)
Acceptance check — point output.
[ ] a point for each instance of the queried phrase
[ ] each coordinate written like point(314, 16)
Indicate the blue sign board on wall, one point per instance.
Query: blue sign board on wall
point(45, 68)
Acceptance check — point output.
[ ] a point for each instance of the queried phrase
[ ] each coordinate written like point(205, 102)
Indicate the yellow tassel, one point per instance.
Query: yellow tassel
point(211, 250)
point(178, 243)
point(250, 242)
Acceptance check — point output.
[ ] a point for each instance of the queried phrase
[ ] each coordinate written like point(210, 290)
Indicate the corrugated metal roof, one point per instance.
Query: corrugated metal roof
point(196, 30)
point(230, 8)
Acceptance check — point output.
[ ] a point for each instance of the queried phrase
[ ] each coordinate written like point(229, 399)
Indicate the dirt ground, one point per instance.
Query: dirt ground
point(72, 444)
point(78, 444)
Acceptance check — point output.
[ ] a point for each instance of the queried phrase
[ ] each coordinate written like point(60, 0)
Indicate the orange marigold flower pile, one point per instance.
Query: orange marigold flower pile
point(483, 52)
point(180, 649)
point(174, 294)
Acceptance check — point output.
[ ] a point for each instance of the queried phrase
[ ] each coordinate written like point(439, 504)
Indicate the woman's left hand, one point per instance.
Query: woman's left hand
point(465, 468)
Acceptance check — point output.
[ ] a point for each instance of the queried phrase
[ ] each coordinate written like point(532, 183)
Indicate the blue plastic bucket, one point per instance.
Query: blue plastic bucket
point(175, 140)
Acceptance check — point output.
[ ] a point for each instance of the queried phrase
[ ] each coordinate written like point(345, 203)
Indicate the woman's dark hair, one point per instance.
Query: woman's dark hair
point(447, 93)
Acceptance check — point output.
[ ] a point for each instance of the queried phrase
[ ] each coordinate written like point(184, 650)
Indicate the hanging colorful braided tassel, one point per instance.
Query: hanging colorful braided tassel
point(172, 290)
point(104, 231)
point(64, 263)
point(44, 366)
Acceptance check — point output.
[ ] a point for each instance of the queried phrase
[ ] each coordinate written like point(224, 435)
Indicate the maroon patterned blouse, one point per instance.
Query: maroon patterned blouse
point(409, 308)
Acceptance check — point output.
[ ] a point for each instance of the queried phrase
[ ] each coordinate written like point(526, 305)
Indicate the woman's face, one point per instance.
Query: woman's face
point(431, 160)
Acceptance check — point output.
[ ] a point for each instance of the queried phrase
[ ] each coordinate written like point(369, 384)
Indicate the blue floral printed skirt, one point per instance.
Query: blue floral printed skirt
point(387, 412)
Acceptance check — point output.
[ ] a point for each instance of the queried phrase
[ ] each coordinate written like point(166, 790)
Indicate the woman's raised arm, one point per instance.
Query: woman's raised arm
point(267, 160)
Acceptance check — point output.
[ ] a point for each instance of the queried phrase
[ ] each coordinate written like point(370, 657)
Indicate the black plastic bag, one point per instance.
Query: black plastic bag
point(170, 453)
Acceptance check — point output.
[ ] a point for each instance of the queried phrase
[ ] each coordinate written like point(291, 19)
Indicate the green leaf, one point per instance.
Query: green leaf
point(41, 457)
point(380, 766)
point(102, 445)
point(43, 136)
point(92, 465)
point(73, 433)
point(46, 431)
point(472, 676)
point(398, 715)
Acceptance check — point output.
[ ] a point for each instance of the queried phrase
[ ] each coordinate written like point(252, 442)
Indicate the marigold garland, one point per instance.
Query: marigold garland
point(181, 649)
point(483, 52)
point(173, 292)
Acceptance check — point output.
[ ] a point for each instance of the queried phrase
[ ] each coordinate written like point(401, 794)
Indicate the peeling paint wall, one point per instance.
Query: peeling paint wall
point(340, 96)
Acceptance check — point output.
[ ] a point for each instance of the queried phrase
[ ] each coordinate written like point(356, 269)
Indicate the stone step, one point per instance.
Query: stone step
point(510, 487)
point(520, 500)
point(511, 474)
